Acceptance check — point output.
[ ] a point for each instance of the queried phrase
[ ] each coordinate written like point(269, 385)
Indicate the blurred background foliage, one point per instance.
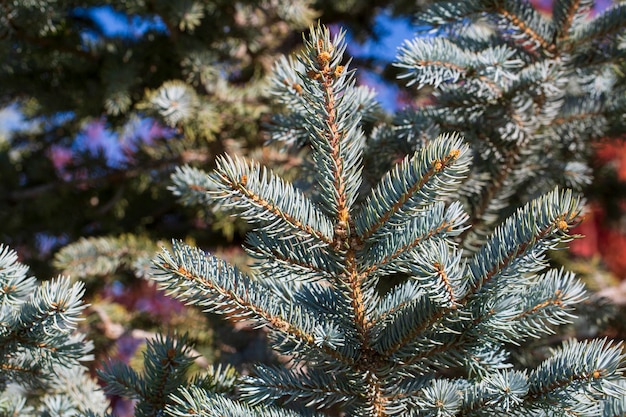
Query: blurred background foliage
point(101, 100)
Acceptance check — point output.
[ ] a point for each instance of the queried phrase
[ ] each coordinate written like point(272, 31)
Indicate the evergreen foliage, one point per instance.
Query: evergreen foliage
point(42, 371)
point(166, 364)
point(408, 261)
point(126, 307)
point(530, 95)
point(475, 278)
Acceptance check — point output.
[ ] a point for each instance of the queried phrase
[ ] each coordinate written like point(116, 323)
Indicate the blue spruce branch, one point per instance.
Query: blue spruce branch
point(437, 342)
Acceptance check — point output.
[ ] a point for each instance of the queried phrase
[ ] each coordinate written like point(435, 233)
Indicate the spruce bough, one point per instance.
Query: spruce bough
point(42, 355)
point(437, 343)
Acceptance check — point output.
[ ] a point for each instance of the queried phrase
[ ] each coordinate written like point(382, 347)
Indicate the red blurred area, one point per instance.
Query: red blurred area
point(603, 236)
point(600, 239)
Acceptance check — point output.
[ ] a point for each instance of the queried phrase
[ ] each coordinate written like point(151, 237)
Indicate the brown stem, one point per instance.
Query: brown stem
point(527, 30)
point(270, 207)
point(436, 167)
point(569, 19)
point(245, 306)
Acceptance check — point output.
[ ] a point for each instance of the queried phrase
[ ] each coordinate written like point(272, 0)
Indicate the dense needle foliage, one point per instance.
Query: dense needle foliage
point(411, 258)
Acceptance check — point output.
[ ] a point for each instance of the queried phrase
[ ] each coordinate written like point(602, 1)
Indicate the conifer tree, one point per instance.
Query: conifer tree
point(403, 267)
point(437, 343)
